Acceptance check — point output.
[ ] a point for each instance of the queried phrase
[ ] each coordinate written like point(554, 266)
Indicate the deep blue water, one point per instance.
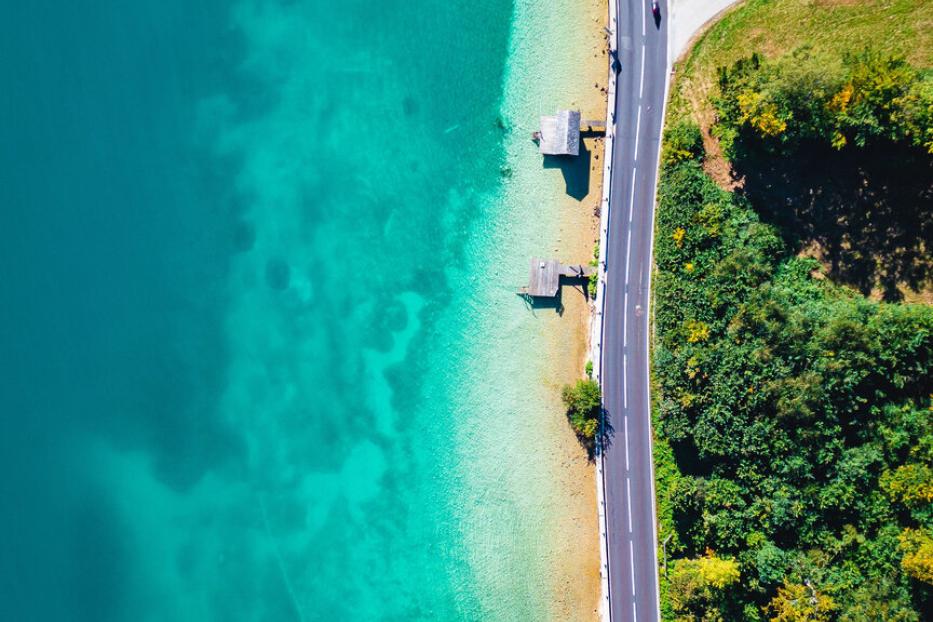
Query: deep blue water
point(222, 233)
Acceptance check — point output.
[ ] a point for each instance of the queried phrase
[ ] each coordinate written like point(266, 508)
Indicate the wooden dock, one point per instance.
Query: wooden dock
point(544, 276)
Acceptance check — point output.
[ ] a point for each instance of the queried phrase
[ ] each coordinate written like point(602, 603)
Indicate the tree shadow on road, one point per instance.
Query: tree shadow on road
point(603, 441)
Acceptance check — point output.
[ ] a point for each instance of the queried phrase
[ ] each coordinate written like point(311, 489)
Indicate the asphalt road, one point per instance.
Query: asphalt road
point(627, 467)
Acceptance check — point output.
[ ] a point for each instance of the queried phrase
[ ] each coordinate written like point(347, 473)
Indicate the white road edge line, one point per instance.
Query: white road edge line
point(654, 509)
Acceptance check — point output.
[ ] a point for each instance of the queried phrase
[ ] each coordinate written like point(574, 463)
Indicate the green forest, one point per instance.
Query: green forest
point(793, 391)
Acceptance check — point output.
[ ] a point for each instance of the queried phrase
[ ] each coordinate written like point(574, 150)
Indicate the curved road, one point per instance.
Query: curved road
point(628, 481)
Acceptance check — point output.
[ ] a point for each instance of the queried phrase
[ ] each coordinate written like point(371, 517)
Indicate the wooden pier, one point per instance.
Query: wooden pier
point(544, 277)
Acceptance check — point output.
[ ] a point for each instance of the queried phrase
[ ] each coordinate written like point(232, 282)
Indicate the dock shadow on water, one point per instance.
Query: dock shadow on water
point(536, 304)
point(575, 169)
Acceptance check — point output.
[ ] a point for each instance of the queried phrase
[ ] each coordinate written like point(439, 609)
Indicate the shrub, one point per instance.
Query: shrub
point(593, 283)
point(583, 401)
point(682, 141)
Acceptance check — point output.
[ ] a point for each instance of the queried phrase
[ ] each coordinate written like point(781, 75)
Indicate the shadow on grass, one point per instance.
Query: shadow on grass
point(869, 210)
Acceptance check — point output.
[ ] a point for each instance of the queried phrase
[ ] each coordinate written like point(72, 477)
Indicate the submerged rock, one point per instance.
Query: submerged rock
point(409, 106)
point(278, 274)
point(244, 236)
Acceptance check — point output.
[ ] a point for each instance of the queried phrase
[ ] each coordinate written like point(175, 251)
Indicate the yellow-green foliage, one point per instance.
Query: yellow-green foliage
point(912, 484)
point(696, 583)
point(678, 236)
point(917, 554)
point(696, 331)
point(800, 603)
point(711, 218)
point(718, 573)
point(917, 108)
point(682, 141)
point(760, 113)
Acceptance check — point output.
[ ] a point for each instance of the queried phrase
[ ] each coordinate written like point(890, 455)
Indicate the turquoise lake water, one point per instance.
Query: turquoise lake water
point(260, 357)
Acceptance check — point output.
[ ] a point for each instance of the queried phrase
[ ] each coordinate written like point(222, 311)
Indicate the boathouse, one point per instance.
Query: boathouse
point(560, 133)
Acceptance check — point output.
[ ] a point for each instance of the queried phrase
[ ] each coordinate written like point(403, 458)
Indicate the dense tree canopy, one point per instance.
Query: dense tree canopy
point(794, 415)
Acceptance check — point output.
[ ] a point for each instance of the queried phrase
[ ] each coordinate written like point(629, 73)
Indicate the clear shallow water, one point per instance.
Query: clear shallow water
point(260, 357)
point(243, 329)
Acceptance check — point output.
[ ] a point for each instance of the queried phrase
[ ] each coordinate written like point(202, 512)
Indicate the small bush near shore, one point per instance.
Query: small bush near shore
point(593, 283)
point(583, 401)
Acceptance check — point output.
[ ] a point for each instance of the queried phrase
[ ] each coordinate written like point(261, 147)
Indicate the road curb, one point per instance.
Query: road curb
point(596, 319)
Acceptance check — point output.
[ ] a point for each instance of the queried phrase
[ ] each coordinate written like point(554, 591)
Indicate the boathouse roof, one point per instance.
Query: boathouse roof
point(560, 133)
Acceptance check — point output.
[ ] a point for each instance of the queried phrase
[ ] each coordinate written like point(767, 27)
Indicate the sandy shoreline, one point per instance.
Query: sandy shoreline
point(546, 492)
point(576, 593)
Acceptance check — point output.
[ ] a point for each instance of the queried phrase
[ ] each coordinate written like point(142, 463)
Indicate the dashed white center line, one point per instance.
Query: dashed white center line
point(625, 424)
point(628, 495)
point(637, 133)
point(631, 203)
point(631, 556)
point(641, 85)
